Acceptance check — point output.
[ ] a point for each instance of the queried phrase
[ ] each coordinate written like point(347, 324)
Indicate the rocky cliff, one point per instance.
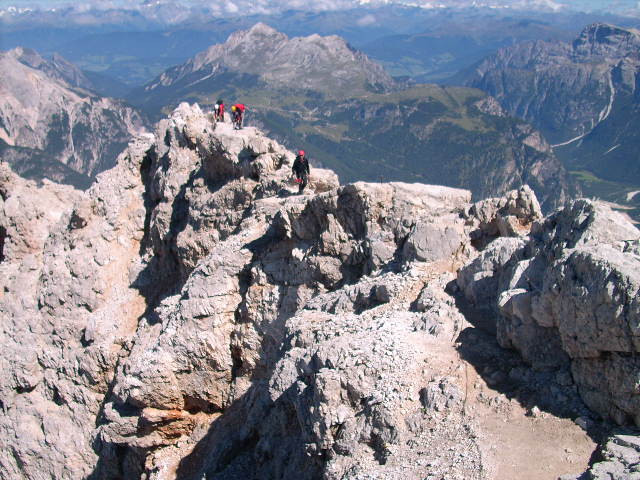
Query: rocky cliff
point(564, 89)
point(582, 96)
point(190, 317)
point(575, 284)
point(52, 127)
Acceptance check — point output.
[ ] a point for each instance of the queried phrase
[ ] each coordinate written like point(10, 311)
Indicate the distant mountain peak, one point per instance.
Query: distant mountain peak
point(261, 28)
point(607, 40)
point(604, 30)
point(51, 127)
point(58, 68)
point(326, 64)
point(26, 56)
point(258, 33)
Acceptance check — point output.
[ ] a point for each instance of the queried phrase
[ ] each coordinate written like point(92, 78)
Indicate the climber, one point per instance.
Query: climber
point(233, 116)
point(238, 113)
point(219, 110)
point(301, 170)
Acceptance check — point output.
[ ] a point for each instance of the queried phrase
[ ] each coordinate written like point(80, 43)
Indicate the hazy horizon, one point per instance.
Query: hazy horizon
point(265, 6)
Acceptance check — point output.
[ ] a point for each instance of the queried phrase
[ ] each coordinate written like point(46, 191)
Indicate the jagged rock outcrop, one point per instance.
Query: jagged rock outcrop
point(568, 296)
point(620, 458)
point(64, 325)
point(80, 313)
point(240, 308)
point(52, 127)
point(189, 316)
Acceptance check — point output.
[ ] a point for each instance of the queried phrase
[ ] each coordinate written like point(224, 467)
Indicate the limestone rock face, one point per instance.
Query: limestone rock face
point(620, 457)
point(68, 311)
point(191, 316)
point(246, 257)
point(569, 296)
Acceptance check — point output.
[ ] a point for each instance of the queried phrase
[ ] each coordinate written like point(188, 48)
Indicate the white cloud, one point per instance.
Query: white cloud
point(231, 7)
point(238, 7)
point(545, 4)
point(366, 20)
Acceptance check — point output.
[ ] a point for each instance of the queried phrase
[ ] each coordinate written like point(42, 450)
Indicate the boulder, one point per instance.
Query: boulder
point(567, 296)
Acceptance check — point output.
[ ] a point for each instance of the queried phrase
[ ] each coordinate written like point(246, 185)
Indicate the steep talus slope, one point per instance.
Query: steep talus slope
point(51, 127)
point(189, 317)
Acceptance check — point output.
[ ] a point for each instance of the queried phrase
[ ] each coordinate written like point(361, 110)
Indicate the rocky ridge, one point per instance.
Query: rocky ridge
point(52, 126)
point(189, 317)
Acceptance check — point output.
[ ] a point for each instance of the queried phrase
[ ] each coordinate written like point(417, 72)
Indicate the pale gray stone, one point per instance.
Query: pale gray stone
point(188, 316)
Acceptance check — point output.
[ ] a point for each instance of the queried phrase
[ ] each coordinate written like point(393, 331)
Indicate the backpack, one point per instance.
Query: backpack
point(240, 106)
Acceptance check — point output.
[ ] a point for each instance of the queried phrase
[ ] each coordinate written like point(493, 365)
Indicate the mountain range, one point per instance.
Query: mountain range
point(583, 96)
point(132, 45)
point(52, 125)
point(318, 93)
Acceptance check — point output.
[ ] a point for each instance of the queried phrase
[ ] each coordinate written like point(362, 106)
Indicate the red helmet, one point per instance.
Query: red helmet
point(301, 153)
